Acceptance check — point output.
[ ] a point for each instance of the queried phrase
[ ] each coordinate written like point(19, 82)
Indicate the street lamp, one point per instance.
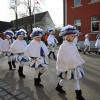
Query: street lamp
point(34, 13)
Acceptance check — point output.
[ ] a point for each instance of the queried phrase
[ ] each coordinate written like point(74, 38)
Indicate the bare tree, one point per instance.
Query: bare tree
point(32, 6)
point(14, 5)
point(21, 15)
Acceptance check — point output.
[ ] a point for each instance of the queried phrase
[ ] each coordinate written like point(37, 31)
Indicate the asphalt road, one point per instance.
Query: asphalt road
point(14, 88)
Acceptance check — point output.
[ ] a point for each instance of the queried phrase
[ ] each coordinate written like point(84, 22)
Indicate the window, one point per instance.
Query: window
point(95, 23)
point(94, 1)
point(77, 23)
point(77, 3)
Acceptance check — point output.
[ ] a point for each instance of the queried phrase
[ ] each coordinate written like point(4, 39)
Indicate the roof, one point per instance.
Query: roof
point(5, 25)
point(30, 19)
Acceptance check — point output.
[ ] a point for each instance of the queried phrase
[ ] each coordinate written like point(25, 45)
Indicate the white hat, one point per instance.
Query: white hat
point(9, 33)
point(69, 29)
point(21, 32)
point(37, 32)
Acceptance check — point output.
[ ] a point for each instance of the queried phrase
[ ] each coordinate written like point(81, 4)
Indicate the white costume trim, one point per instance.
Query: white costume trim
point(33, 51)
point(68, 57)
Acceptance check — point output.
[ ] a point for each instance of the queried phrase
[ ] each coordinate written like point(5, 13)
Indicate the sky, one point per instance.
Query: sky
point(55, 8)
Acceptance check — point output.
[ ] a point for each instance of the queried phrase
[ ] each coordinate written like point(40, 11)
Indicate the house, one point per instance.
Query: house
point(85, 15)
point(42, 20)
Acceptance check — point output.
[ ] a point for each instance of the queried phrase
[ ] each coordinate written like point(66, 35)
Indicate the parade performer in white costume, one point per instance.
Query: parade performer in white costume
point(6, 48)
point(37, 51)
point(18, 48)
point(52, 43)
point(69, 62)
point(97, 43)
point(86, 44)
point(1, 43)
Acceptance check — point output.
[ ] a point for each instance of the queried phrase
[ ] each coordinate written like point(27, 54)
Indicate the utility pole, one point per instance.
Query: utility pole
point(64, 12)
point(35, 2)
point(34, 12)
point(14, 5)
point(16, 15)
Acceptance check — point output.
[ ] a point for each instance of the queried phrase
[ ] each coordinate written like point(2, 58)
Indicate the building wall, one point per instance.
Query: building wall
point(47, 22)
point(84, 12)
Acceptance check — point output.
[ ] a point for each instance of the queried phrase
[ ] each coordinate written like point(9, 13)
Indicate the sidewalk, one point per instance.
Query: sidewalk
point(7, 93)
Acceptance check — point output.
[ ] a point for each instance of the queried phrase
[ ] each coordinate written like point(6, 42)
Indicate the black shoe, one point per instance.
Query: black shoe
point(10, 65)
point(49, 54)
point(79, 95)
point(60, 90)
point(22, 76)
point(89, 52)
point(13, 63)
point(10, 68)
point(79, 50)
point(54, 56)
point(37, 83)
point(20, 72)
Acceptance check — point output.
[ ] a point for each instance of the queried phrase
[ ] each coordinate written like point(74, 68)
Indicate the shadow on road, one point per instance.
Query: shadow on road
point(18, 84)
point(41, 94)
point(24, 89)
point(93, 55)
point(92, 84)
point(62, 96)
point(10, 79)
